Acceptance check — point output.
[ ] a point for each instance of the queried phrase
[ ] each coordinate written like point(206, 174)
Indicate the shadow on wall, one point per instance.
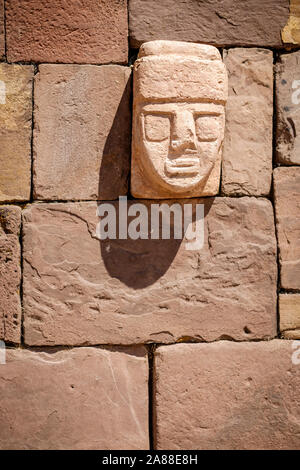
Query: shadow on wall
point(115, 163)
point(140, 263)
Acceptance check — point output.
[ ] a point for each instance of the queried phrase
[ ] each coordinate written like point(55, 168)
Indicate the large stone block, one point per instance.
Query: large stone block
point(291, 32)
point(289, 312)
point(69, 32)
point(15, 131)
point(2, 39)
point(287, 209)
point(82, 132)
point(85, 398)
point(248, 143)
point(79, 290)
point(227, 395)
point(230, 22)
point(288, 109)
point(10, 274)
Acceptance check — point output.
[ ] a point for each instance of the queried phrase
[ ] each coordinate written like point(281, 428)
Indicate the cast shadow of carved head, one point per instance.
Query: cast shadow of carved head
point(140, 263)
point(115, 163)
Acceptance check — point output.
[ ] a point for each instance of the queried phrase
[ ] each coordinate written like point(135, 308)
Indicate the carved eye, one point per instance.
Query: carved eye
point(157, 128)
point(207, 128)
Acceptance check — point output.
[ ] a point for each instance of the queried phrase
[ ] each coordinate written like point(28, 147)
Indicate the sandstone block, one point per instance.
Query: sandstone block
point(246, 22)
point(15, 131)
point(247, 154)
point(2, 40)
point(289, 311)
point(180, 91)
point(287, 209)
point(227, 395)
point(291, 32)
point(69, 32)
point(82, 132)
point(80, 290)
point(10, 274)
point(288, 109)
point(86, 398)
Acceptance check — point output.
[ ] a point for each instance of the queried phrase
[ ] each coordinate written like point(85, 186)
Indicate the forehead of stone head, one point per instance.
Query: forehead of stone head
point(179, 71)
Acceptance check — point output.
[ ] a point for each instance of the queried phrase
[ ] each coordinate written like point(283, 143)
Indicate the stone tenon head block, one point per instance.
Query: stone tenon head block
point(180, 91)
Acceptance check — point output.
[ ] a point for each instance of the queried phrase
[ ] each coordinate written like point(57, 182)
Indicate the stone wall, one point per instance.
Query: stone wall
point(142, 344)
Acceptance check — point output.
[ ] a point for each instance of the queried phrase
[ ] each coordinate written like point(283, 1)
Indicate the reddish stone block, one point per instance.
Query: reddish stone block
point(82, 132)
point(92, 32)
point(227, 395)
point(10, 274)
point(2, 38)
point(80, 290)
point(288, 109)
point(248, 143)
point(230, 22)
point(85, 398)
point(287, 209)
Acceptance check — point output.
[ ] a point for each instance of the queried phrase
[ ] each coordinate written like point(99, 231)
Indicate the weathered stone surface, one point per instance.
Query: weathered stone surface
point(82, 132)
point(2, 40)
point(63, 31)
point(247, 154)
point(78, 290)
point(288, 109)
point(287, 208)
point(180, 90)
point(291, 32)
point(289, 311)
point(10, 274)
point(85, 398)
point(246, 22)
point(15, 131)
point(227, 395)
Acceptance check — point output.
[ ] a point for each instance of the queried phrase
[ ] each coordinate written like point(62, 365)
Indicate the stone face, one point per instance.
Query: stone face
point(247, 155)
point(288, 109)
point(80, 290)
point(63, 31)
point(10, 274)
point(86, 398)
point(82, 132)
point(15, 131)
point(227, 395)
point(289, 311)
point(246, 22)
point(180, 90)
point(287, 206)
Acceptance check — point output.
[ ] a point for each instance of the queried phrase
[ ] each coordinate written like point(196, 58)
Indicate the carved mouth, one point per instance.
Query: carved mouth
point(183, 165)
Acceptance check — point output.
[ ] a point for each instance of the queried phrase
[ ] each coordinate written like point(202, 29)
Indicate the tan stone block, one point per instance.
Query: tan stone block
point(2, 39)
point(291, 32)
point(15, 131)
point(287, 209)
point(227, 395)
point(69, 32)
point(289, 311)
point(225, 23)
point(82, 132)
point(80, 290)
point(10, 274)
point(288, 109)
point(85, 398)
point(179, 94)
point(248, 143)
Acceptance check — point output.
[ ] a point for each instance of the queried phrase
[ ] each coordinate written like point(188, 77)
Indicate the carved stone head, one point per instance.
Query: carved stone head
point(180, 91)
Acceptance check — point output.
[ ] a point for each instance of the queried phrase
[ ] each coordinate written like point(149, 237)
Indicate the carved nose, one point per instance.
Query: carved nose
point(183, 132)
